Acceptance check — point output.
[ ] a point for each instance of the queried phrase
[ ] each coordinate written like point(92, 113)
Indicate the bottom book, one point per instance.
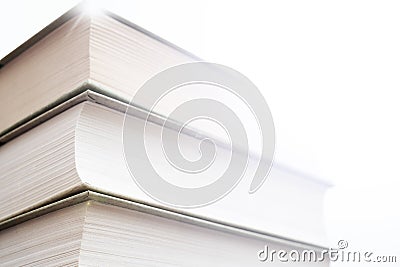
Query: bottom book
point(92, 229)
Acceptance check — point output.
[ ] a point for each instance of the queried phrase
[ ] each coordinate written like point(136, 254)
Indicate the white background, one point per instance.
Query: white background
point(330, 72)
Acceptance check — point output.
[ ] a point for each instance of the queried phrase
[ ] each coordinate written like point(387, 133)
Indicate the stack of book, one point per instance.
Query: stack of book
point(66, 194)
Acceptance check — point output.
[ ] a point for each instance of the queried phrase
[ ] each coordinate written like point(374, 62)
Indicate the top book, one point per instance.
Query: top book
point(75, 52)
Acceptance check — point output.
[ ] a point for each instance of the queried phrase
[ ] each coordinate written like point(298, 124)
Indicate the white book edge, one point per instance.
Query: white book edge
point(90, 92)
point(157, 211)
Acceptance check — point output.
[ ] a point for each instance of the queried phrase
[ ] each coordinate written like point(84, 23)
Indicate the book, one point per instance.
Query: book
point(80, 148)
point(78, 49)
point(92, 229)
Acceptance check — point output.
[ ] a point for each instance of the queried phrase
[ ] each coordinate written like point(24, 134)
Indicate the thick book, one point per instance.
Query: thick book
point(91, 229)
point(80, 147)
point(77, 49)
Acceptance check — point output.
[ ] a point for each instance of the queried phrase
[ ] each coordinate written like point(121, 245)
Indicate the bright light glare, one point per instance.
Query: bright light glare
point(92, 8)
